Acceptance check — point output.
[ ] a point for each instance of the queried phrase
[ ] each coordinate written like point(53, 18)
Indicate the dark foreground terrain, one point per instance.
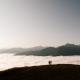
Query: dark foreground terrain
point(46, 72)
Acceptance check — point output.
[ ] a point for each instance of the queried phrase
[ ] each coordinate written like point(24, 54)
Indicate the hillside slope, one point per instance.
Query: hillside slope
point(47, 72)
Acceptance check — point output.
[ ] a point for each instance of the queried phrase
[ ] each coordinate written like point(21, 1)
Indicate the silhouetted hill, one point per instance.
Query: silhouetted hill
point(65, 50)
point(47, 72)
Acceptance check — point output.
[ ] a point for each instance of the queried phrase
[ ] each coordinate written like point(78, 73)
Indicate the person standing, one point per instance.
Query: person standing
point(50, 62)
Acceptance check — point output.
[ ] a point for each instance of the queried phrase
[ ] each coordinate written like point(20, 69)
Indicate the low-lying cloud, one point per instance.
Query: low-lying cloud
point(10, 60)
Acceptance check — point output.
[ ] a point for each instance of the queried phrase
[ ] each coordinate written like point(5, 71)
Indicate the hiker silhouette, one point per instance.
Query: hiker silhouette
point(50, 62)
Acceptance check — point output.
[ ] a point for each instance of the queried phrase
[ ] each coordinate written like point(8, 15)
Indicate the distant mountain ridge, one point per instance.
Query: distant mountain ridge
point(19, 50)
point(64, 50)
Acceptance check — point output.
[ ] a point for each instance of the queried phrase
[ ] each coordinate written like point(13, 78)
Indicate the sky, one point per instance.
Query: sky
point(29, 23)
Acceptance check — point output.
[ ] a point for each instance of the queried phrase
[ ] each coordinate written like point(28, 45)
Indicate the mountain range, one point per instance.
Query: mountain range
point(19, 50)
point(64, 50)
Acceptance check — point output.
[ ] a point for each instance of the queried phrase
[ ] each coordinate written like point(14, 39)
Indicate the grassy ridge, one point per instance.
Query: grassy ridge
point(46, 72)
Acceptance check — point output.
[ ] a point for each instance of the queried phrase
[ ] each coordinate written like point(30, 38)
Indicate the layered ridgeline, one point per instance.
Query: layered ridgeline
point(20, 50)
point(64, 50)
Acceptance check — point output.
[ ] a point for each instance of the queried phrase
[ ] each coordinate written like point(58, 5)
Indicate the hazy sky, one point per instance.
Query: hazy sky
point(28, 23)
